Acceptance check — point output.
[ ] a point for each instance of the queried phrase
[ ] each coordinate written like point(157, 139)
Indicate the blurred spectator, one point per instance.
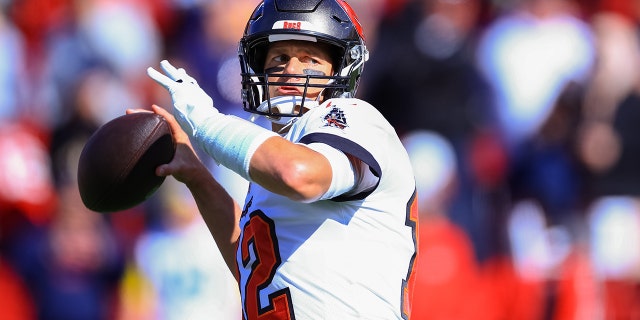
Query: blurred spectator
point(98, 96)
point(450, 282)
point(608, 142)
point(26, 182)
point(118, 37)
point(435, 168)
point(188, 277)
point(121, 33)
point(536, 248)
point(15, 300)
point(422, 76)
point(609, 146)
point(12, 68)
point(72, 265)
point(538, 57)
point(441, 286)
point(614, 225)
point(530, 54)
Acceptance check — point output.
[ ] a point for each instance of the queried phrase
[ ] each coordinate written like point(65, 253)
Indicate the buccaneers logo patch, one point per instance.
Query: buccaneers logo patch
point(335, 118)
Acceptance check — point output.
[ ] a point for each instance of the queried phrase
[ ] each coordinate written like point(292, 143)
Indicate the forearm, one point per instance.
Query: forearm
point(221, 214)
point(261, 156)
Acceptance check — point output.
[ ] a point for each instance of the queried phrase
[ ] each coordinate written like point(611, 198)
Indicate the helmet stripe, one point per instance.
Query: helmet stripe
point(352, 16)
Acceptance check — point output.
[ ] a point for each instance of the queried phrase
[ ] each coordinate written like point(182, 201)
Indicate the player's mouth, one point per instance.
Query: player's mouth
point(289, 91)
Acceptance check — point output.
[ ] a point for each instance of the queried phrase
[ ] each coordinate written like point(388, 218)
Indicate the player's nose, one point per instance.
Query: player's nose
point(294, 66)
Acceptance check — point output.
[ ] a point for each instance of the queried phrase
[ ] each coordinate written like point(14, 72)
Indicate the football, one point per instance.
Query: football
point(116, 168)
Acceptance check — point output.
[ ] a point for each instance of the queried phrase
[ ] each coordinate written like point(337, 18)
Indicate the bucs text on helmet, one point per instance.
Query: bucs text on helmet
point(331, 23)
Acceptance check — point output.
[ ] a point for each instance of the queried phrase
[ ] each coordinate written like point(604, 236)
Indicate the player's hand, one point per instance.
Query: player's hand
point(185, 165)
point(191, 105)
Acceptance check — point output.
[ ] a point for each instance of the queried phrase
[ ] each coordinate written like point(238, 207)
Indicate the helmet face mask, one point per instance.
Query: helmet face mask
point(330, 23)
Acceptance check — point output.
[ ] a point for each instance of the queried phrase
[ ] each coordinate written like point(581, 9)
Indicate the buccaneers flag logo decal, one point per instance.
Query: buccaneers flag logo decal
point(335, 118)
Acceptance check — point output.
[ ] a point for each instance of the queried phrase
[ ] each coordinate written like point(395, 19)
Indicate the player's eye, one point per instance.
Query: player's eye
point(310, 61)
point(281, 58)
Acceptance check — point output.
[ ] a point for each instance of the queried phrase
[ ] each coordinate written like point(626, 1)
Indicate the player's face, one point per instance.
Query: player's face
point(299, 58)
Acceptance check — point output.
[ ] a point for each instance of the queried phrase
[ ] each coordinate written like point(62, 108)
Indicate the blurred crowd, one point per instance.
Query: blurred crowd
point(521, 117)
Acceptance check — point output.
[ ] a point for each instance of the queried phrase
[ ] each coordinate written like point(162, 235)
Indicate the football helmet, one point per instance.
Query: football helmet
point(330, 22)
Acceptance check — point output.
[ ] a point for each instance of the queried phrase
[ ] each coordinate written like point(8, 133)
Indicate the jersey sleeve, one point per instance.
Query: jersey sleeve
point(353, 127)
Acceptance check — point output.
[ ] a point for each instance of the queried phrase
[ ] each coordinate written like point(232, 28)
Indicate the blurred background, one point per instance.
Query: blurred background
point(522, 119)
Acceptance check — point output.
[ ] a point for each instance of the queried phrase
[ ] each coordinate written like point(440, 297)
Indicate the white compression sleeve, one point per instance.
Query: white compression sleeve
point(231, 141)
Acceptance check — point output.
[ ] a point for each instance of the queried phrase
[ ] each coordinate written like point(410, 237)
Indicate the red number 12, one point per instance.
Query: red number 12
point(259, 233)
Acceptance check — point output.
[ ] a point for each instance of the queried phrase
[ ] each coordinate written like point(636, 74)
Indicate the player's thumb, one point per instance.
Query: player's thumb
point(163, 170)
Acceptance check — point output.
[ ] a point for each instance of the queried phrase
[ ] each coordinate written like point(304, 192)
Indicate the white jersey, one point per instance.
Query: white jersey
point(345, 258)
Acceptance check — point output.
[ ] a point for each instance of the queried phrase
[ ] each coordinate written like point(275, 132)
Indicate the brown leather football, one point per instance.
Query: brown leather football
point(116, 169)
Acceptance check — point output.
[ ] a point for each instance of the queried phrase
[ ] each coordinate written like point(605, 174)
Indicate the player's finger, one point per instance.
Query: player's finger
point(161, 111)
point(182, 75)
point(137, 110)
point(172, 72)
point(163, 170)
point(160, 78)
point(175, 127)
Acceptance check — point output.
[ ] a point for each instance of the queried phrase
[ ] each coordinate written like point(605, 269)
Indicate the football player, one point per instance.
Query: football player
point(328, 227)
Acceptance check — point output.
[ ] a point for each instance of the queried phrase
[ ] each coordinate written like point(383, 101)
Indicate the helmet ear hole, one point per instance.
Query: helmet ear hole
point(252, 95)
point(257, 54)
